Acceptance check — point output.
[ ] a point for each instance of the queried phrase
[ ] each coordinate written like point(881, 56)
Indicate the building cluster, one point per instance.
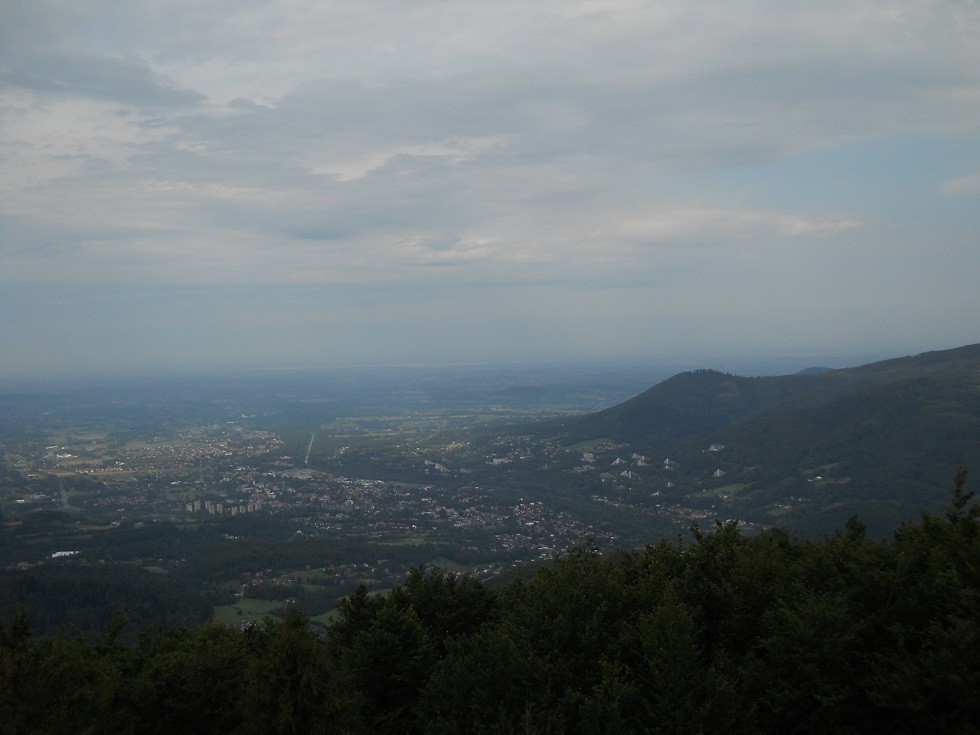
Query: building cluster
point(452, 492)
point(219, 508)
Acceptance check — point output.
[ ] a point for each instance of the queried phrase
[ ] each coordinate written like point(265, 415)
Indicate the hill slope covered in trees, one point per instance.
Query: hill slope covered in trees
point(703, 401)
point(879, 440)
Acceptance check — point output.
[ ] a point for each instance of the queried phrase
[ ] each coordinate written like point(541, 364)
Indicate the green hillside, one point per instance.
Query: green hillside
point(702, 401)
point(806, 450)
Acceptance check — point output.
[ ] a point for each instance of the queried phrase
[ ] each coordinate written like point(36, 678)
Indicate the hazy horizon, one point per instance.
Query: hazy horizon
point(647, 371)
point(207, 187)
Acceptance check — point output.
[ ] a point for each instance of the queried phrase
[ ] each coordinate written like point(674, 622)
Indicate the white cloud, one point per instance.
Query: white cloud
point(42, 141)
point(378, 143)
point(344, 166)
point(719, 225)
point(962, 186)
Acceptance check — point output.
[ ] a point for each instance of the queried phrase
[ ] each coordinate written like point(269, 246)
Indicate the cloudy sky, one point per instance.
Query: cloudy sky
point(202, 184)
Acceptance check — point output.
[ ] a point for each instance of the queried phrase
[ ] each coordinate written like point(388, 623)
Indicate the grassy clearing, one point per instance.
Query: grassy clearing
point(316, 577)
point(417, 540)
point(81, 462)
point(326, 618)
point(113, 475)
point(329, 616)
point(245, 610)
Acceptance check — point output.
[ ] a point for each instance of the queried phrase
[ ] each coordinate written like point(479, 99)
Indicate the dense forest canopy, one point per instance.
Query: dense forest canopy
point(725, 632)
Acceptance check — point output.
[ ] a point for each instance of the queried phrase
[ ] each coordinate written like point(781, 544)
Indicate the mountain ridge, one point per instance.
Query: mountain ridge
point(700, 401)
point(880, 440)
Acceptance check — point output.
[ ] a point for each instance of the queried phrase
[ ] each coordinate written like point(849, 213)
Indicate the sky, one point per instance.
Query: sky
point(195, 185)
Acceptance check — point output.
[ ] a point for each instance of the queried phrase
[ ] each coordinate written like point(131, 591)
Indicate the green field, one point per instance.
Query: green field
point(326, 618)
point(245, 610)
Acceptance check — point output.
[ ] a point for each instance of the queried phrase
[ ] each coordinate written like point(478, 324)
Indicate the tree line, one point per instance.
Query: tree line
point(723, 632)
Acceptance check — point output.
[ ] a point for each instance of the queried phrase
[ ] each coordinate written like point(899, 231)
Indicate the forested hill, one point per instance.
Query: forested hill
point(802, 451)
point(699, 402)
point(695, 403)
point(725, 633)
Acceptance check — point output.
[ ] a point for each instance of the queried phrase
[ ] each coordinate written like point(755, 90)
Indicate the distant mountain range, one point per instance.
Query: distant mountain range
point(890, 433)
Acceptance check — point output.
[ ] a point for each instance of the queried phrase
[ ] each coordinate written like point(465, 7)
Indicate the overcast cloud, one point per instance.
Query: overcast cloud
point(189, 184)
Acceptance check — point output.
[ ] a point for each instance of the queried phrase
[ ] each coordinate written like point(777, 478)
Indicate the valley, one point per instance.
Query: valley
point(253, 501)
